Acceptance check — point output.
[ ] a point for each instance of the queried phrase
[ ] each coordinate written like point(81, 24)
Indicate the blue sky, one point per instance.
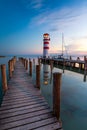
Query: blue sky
point(23, 23)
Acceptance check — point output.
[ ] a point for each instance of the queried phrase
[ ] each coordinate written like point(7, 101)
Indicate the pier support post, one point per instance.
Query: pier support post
point(56, 94)
point(4, 78)
point(85, 68)
point(34, 61)
point(51, 65)
point(30, 68)
point(10, 68)
point(26, 64)
point(38, 76)
point(63, 65)
point(12, 65)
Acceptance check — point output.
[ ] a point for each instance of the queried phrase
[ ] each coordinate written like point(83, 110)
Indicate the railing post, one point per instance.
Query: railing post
point(30, 68)
point(56, 94)
point(4, 78)
point(38, 76)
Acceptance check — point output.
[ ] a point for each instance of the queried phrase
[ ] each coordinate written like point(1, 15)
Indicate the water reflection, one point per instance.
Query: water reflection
point(73, 97)
point(45, 74)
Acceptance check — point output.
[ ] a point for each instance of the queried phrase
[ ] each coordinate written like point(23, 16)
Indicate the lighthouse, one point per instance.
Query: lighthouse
point(46, 40)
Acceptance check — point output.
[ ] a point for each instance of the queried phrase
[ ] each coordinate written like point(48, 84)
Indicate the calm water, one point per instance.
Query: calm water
point(73, 96)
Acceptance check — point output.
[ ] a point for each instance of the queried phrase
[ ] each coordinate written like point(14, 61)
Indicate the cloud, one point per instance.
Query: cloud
point(33, 4)
point(77, 45)
point(36, 4)
point(65, 18)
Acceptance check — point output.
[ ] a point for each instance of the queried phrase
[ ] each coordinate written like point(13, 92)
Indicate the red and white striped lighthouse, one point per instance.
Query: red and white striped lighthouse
point(46, 40)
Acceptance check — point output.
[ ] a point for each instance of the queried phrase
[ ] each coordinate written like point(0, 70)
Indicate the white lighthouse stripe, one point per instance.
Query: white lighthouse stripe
point(46, 45)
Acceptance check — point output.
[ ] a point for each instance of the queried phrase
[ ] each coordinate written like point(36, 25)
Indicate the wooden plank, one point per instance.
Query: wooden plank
point(19, 97)
point(13, 112)
point(21, 105)
point(36, 124)
point(25, 114)
point(25, 100)
point(53, 126)
point(25, 121)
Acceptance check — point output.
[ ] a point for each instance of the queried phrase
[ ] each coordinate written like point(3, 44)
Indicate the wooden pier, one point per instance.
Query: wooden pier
point(77, 66)
point(23, 107)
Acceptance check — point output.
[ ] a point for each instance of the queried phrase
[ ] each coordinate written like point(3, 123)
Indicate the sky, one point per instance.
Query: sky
point(23, 23)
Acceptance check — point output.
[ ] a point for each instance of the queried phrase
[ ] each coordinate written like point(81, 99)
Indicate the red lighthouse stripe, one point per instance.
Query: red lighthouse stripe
point(46, 42)
point(46, 39)
point(46, 47)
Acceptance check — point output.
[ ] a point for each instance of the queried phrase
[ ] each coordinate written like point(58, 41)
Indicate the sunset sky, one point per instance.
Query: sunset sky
point(23, 23)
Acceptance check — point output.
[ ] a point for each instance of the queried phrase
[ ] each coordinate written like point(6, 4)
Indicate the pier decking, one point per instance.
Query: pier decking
point(23, 107)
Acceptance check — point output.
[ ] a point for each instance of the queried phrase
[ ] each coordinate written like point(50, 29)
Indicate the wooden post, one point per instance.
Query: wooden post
point(26, 64)
point(70, 58)
point(51, 65)
point(34, 61)
point(38, 76)
point(23, 61)
point(10, 68)
point(38, 60)
point(30, 68)
point(56, 94)
point(63, 65)
point(74, 64)
point(85, 68)
point(80, 67)
point(4, 78)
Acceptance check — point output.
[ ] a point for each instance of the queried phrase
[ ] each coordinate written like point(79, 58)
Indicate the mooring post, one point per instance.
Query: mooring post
point(10, 68)
point(34, 61)
point(4, 78)
point(26, 64)
point(51, 65)
point(12, 65)
point(85, 68)
point(63, 65)
point(56, 94)
point(70, 63)
point(38, 76)
point(38, 60)
point(30, 68)
point(23, 61)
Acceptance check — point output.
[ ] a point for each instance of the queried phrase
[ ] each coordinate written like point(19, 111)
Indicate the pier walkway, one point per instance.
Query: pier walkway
point(23, 107)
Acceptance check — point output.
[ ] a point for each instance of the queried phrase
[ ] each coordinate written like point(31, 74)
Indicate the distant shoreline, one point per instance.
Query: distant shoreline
point(2, 56)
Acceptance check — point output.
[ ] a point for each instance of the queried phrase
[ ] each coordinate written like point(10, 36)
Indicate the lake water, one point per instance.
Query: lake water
point(73, 95)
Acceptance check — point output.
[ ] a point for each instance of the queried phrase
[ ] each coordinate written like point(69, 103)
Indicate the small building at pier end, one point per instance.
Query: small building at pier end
point(46, 41)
